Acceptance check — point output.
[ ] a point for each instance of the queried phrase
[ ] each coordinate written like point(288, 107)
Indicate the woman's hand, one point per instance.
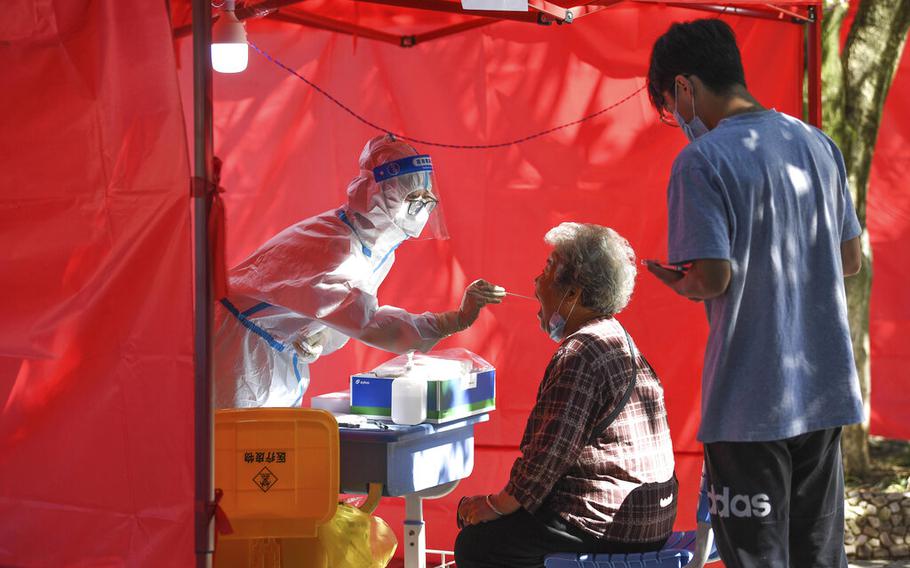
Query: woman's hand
point(474, 510)
point(477, 295)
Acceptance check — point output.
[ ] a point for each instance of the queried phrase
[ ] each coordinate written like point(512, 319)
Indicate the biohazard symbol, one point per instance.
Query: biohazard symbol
point(265, 479)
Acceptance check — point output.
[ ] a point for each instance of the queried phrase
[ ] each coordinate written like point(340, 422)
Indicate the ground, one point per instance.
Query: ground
point(886, 482)
point(890, 466)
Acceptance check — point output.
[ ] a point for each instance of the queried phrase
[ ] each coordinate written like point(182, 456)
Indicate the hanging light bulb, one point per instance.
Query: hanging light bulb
point(229, 49)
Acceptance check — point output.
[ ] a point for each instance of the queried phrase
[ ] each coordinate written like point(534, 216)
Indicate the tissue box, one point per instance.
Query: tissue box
point(334, 402)
point(448, 399)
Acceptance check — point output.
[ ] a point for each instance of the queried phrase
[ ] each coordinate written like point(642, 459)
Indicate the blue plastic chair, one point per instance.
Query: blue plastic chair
point(676, 553)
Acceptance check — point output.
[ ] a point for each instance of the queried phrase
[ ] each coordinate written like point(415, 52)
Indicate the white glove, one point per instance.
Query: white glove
point(477, 295)
point(309, 348)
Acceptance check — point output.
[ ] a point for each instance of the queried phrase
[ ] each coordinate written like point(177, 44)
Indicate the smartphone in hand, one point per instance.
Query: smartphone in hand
point(681, 267)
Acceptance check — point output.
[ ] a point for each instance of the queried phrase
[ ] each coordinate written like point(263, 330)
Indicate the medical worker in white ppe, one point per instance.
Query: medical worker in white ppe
point(313, 285)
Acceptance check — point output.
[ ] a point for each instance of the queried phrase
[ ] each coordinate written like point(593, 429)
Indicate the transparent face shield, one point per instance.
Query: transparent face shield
point(412, 196)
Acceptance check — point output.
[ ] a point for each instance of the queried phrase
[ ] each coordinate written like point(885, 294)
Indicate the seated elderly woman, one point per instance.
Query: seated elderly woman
point(596, 465)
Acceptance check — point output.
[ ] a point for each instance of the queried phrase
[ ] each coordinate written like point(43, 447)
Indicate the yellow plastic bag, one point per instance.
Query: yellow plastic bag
point(354, 539)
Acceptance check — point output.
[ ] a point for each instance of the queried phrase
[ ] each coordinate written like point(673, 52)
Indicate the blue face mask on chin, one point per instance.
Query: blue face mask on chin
point(556, 327)
point(693, 130)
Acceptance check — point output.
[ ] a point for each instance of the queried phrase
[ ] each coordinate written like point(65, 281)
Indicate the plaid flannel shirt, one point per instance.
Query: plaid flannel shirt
point(619, 487)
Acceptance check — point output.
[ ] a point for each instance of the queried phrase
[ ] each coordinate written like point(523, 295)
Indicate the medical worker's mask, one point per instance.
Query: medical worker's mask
point(412, 225)
point(693, 130)
point(556, 327)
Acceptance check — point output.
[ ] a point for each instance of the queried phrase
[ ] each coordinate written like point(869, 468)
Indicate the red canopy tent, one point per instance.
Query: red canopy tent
point(94, 210)
point(407, 26)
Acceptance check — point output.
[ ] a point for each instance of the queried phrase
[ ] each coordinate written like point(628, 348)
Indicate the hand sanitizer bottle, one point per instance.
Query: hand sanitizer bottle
point(409, 396)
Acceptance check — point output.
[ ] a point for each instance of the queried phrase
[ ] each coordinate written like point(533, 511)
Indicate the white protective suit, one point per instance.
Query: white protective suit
point(312, 286)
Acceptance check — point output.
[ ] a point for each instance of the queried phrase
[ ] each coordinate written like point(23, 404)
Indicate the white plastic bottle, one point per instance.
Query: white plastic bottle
point(409, 399)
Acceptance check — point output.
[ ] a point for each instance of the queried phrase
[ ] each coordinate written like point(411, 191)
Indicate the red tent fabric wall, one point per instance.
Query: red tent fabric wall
point(888, 223)
point(289, 154)
point(96, 345)
point(96, 379)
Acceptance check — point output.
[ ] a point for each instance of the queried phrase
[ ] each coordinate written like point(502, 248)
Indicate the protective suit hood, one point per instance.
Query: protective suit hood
point(375, 205)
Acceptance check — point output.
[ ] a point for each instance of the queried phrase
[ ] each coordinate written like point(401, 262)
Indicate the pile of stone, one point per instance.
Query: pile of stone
point(877, 524)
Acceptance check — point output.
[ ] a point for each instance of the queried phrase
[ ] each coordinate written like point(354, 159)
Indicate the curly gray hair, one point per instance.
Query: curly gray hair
point(596, 259)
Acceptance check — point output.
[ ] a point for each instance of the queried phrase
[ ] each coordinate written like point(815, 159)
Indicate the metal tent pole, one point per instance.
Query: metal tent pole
point(814, 63)
point(202, 181)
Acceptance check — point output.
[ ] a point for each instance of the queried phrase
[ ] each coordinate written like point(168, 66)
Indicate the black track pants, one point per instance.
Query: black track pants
point(778, 504)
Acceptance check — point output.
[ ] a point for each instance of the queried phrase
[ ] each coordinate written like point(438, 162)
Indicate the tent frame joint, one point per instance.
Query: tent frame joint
point(811, 16)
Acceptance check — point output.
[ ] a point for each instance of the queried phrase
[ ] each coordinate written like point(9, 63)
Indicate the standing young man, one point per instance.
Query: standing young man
point(760, 214)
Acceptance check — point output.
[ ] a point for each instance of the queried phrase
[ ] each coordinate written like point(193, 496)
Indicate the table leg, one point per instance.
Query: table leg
point(415, 540)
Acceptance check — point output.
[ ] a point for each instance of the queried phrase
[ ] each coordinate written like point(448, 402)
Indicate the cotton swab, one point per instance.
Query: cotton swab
point(520, 296)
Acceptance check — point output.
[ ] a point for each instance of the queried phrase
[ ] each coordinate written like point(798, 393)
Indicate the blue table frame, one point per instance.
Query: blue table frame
point(414, 462)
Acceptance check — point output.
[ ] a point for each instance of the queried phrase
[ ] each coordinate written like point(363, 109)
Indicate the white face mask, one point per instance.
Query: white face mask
point(412, 225)
point(556, 327)
point(693, 130)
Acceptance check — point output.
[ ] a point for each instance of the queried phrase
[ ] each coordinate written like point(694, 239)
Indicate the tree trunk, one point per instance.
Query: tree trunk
point(856, 84)
point(855, 438)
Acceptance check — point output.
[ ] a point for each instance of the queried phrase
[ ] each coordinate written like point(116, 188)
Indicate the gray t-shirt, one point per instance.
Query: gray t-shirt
point(769, 193)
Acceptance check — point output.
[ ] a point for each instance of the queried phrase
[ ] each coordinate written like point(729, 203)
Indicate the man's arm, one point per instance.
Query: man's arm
point(705, 279)
point(851, 254)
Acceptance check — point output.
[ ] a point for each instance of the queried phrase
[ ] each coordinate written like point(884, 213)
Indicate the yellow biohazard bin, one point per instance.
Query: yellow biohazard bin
point(278, 470)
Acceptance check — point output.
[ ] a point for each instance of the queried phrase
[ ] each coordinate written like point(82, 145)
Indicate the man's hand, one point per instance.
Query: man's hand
point(705, 278)
point(665, 275)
